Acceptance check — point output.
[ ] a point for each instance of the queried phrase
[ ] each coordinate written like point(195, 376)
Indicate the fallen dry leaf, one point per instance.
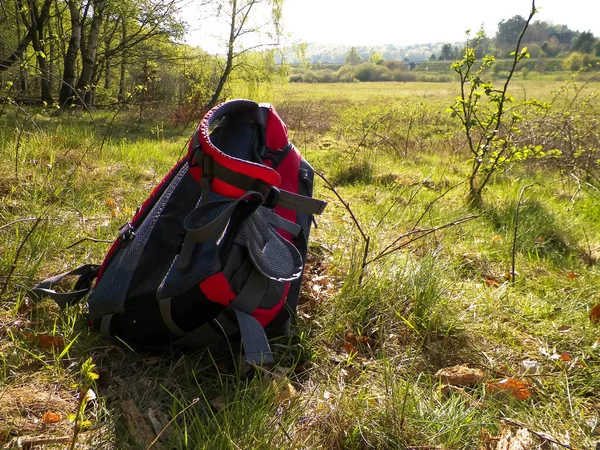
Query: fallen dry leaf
point(45, 340)
point(350, 348)
point(461, 376)
point(50, 417)
point(492, 282)
point(89, 396)
point(355, 340)
point(572, 275)
point(595, 314)
point(509, 386)
point(26, 306)
point(565, 356)
point(520, 440)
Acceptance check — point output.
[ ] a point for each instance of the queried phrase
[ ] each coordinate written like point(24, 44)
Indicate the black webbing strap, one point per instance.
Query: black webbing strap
point(276, 156)
point(82, 287)
point(197, 231)
point(272, 196)
point(254, 340)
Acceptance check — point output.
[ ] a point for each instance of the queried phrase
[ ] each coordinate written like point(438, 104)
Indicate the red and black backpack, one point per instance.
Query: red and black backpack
point(217, 250)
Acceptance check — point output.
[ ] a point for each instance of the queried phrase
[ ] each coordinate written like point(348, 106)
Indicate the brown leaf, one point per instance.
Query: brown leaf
point(461, 376)
point(492, 282)
point(355, 340)
point(595, 314)
point(572, 275)
point(510, 386)
point(565, 356)
point(45, 340)
point(350, 348)
point(26, 306)
point(351, 338)
point(50, 417)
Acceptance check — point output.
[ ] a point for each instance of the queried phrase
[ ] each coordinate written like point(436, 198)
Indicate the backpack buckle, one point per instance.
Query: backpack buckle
point(272, 197)
point(126, 232)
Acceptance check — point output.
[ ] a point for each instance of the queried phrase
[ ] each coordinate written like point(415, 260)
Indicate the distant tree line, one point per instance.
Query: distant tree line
point(542, 39)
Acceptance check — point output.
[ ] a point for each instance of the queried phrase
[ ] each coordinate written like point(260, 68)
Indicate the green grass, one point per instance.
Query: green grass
point(359, 370)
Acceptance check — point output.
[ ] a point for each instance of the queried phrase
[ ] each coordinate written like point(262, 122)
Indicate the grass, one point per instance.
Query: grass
point(360, 369)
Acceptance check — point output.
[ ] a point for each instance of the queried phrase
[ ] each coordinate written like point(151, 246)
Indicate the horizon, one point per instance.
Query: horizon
point(385, 23)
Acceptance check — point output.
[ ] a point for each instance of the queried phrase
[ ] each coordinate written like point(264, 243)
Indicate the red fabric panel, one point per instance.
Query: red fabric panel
point(289, 171)
point(277, 136)
point(217, 289)
point(265, 316)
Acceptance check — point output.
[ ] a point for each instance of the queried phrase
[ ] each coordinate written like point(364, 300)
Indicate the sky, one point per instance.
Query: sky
point(399, 22)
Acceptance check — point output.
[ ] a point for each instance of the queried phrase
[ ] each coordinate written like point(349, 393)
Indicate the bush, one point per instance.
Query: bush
point(371, 72)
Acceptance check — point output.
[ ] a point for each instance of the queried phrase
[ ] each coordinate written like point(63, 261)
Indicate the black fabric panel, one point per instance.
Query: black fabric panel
point(163, 244)
point(305, 187)
point(193, 309)
point(143, 327)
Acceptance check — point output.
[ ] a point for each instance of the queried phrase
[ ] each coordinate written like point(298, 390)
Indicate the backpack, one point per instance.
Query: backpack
point(217, 250)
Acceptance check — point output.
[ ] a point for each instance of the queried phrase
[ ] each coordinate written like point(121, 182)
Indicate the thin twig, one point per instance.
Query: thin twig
point(366, 238)
point(435, 200)
point(14, 264)
point(515, 229)
point(537, 433)
point(424, 233)
point(412, 197)
point(28, 219)
point(104, 241)
point(346, 205)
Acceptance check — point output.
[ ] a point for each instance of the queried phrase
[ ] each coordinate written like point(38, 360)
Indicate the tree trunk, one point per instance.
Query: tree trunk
point(88, 53)
point(67, 90)
point(121, 95)
point(229, 64)
point(38, 23)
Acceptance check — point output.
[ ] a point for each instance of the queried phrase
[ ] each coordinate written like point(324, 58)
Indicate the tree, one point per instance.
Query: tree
point(488, 114)
point(551, 47)
point(446, 52)
point(509, 31)
point(352, 57)
point(113, 32)
point(243, 18)
point(376, 58)
point(584, 42)
point(432, 57)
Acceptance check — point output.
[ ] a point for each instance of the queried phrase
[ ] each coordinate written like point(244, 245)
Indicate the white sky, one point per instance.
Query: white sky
point(398, 22)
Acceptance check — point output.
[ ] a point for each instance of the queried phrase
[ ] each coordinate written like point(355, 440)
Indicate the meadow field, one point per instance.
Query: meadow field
point(425, 322)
